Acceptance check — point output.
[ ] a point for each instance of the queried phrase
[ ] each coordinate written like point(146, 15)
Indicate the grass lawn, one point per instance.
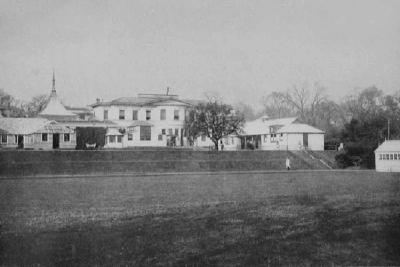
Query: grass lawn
point(293, 218)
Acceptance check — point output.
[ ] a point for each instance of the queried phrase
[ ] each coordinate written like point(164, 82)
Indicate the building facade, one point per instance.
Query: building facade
point(387, 156)
point(35, 133)
point(279, 134)
point(145, 120)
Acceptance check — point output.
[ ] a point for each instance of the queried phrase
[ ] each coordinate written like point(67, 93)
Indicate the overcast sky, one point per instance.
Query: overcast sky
point(240, 49)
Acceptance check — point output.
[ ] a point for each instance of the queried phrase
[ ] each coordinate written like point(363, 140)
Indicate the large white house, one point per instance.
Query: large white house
point(145, 120)
point(387, 156)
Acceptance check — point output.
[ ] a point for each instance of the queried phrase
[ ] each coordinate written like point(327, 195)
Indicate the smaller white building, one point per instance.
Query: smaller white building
point(35, 133)
point(281, 134)
point(387, 156)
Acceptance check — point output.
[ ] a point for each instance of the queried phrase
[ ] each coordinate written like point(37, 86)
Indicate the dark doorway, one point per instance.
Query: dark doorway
point(20, 141)
point(56, 140)
point(305, 140)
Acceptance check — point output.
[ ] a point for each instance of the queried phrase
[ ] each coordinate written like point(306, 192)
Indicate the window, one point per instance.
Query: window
point(105, 114)
point(395, 156)
point(170, 131)
point(176, 132)
point(135, 115)
point(148, 115)
point(66, 137)
point(112, 138)
point(162, 131)
point(82, 116)
point(176, 115)
point(391, 156)
point(122, 114)
point(160, 137)
point(265, 138)
point(387, 156)
point(44, 137)
point(145, 133)
point(203, 138)
point(4, 138)
point(119, 138)
point(130, 137)
point(380, 156)
point(162, 114)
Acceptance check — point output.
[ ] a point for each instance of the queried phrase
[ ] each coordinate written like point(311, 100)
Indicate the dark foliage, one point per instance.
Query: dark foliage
point(215, 120)
point(90, 135)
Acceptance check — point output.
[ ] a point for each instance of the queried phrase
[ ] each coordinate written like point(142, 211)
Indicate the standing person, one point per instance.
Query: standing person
point(288, 163)
point(222, 145)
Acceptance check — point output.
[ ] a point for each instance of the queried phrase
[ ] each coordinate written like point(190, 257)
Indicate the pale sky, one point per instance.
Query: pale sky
point(240, 49)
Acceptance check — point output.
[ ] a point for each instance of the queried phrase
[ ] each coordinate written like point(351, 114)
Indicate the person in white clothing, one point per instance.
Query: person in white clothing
point(287, 163)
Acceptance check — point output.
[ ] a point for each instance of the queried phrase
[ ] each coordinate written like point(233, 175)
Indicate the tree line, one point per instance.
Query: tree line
point(19, 108)
point(361, 120)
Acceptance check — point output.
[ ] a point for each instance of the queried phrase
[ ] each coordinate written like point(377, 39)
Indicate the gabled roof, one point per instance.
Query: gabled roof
point(299, 128)
point(29, 125)
point(262, 125)
point(389, 146)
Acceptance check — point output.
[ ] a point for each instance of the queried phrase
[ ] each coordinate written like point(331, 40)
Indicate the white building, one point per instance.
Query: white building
point(35, 133)
point(281, 134)
point(145, 120)
point(387, 156)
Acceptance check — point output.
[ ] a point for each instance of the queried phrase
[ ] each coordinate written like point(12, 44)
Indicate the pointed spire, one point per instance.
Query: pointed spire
point(54, 82)
point(53, 89)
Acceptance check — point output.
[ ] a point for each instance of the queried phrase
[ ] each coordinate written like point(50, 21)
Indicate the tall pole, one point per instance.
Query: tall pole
point(388, 131)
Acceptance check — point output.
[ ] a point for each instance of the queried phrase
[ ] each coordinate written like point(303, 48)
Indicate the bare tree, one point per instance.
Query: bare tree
point(275, 105)
point(36, 105)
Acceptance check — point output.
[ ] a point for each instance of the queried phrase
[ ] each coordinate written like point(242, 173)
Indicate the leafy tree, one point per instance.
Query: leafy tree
point(213, 119)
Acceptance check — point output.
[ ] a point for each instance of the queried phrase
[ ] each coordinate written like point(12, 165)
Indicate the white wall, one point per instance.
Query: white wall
point(391, 165)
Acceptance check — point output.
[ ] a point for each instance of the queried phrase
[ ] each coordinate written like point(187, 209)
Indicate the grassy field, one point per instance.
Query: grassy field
point(288, 218)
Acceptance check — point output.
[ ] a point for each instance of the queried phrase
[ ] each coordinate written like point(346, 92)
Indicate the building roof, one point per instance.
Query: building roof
point(299, 128)
point(78, 110)
point(113, 131)
point(389, 146)
point(255, 128)
point(262, 125)
point(30, 125)
point(143, 100)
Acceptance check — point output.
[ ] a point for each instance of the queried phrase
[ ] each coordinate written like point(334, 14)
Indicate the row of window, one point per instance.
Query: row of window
point(164, 131)
point(163, 115)
point(113, 138)
point(391, 156)
point(145, 135)
point(273, 137)
point(45, 138)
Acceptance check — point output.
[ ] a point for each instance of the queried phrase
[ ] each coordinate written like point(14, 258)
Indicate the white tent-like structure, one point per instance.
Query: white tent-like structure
point(55, 110)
